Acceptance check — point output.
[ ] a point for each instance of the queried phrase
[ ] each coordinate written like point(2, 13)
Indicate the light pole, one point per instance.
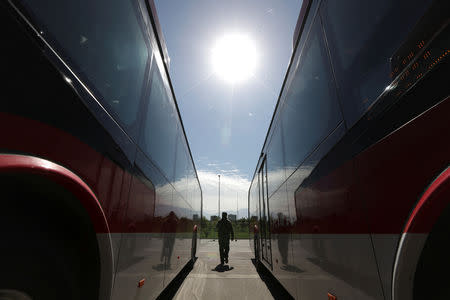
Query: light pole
point(237, 206)
point(219, 197)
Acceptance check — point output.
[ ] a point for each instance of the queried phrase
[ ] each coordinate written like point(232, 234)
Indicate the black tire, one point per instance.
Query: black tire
point(38, 267)
point(431, 277)
point(46, 251)
point(13, 295)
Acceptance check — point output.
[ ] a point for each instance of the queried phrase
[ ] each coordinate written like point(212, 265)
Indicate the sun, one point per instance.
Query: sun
point(234, 58)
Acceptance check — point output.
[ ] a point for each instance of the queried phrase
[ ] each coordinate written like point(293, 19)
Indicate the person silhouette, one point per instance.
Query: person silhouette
point(282, 230)
point(169, 229)
point(225, 231)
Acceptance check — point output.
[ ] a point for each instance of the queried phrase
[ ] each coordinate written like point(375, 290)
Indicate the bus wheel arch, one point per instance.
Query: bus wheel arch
point(421, 242)
point(46, 191)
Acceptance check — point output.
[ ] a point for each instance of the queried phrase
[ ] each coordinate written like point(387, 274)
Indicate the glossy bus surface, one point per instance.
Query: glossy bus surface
point(359, 134)
point(91, 134)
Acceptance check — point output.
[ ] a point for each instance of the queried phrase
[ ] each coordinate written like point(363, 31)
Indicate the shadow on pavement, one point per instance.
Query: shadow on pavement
point(291, 268)
point(170, 291)
point(274, 286)
point(159, 267)
point(222, 268)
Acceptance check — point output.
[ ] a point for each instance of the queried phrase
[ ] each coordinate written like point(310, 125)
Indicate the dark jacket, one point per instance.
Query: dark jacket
point(225, 229)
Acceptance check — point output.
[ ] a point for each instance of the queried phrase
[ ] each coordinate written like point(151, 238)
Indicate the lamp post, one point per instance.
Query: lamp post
point(218, 215)
point(237, 206)
point(237, 213)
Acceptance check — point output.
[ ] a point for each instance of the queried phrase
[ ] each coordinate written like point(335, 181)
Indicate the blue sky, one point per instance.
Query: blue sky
point(225, 123)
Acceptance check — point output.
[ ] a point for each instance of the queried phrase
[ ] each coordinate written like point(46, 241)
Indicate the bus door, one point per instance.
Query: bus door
point(264, 211)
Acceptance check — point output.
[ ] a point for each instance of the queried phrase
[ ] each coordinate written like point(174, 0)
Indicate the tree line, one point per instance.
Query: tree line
point(208, 228)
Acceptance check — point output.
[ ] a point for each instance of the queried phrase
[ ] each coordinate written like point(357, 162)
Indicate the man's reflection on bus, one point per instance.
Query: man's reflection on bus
point(283, 228)
point(283, 237)
point(169, 229)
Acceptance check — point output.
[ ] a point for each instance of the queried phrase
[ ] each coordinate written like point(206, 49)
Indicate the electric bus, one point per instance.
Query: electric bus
point(350, 196)
point(99, 193)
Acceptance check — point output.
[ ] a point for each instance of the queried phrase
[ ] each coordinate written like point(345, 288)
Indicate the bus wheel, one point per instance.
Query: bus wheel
point(13, 295)
point(34, 265)
point(431, 277)
point(47, 251)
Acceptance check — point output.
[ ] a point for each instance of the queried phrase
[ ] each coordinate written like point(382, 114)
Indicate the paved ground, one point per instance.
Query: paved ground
point(240, 280)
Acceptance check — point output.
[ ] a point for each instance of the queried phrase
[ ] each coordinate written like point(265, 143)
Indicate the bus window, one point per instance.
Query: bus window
point(159, 138)
point(104, 43)
point(310, 110)
point(363, 36)
point(181, 165)
point(275, 161)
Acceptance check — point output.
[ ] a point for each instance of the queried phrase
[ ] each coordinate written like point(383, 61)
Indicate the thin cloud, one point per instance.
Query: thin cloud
point(233, 190)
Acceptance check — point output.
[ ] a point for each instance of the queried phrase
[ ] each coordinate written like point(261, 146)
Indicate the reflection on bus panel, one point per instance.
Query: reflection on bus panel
point(350, 194)
point(102, 196)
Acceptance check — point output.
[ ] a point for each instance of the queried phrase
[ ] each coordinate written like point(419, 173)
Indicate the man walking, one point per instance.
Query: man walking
point(225, 230)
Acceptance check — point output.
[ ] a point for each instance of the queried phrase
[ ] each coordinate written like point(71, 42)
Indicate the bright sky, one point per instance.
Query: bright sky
point(226, 115)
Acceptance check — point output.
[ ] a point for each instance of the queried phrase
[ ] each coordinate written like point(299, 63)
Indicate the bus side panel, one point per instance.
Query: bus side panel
point(332, 243)
point(49, 114)
point(282, 259)
point(42, 115)
point(393, 173)
point(140, 248)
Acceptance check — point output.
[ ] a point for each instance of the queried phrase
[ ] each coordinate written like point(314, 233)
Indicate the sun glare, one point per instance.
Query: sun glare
point(234, 58)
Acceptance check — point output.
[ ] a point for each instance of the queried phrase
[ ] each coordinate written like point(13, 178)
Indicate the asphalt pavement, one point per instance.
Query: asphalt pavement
point(238, 279)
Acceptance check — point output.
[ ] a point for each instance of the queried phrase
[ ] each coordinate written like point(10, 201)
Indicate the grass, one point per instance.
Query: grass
point(208, 229)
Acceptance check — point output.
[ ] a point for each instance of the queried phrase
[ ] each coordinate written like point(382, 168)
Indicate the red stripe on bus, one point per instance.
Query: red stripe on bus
point(430, 206)
point(393, 173)
point(376, 191)
point(121, 195)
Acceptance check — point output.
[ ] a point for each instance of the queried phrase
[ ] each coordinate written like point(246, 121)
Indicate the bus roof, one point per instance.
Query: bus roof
point(159, 33)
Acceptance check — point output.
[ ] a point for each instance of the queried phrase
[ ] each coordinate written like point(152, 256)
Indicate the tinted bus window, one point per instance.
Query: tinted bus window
point(275, 161)
point(160, 130)
point(310, 110)
point(103, 42)
point(182, 165)
point(363, 36)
